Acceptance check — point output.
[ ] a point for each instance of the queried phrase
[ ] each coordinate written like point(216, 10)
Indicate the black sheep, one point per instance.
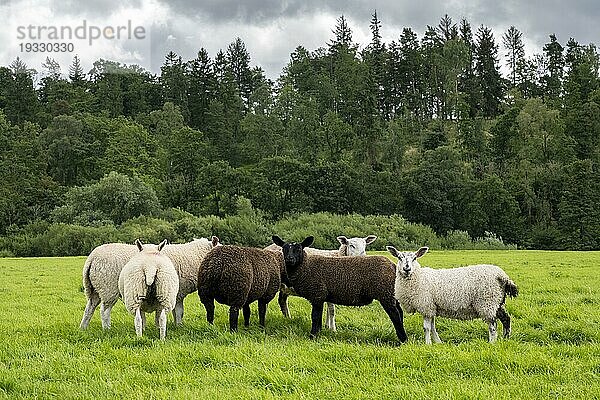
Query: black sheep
point(237, 276)
point(349, 281)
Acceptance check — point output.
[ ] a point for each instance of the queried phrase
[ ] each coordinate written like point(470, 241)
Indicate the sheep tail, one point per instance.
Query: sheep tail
point(150, 274)
point(510, 289)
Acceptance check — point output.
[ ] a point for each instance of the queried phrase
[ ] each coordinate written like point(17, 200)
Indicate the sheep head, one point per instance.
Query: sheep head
point(407, 260)
point(355, 246)
point(293, 253)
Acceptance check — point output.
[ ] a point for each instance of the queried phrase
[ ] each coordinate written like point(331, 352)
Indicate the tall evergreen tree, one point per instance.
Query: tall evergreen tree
point(202, 88)
point(555, 64)
point(76, 74)
point(488, 72)
point(515, 53)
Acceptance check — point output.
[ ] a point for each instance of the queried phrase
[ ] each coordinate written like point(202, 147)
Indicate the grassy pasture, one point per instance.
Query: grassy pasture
point(554, 351)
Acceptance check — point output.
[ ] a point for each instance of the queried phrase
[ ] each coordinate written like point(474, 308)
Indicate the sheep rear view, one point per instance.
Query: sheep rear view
point(350, 281)
point(238, 276)
point(104, 264)
point(475, 291)
point(149, 283)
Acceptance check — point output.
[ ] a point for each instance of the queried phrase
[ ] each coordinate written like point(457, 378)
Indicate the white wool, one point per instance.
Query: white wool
point(475, 291)
point(460, 293)
point(104, 264)
point(144, 269)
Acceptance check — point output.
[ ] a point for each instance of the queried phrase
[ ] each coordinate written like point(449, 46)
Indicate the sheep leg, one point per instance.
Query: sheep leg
point(157, 318)
point(262, 311)
point(209, 304)
point(436, 337)
point(105, 309)
point(393, 310)
point(283, 305)
point(317, 319)
point(330, 319)
point(427, 329)
point(138, 322)
point(234, 314)
point(90, 307)
point(143, 320)
point(246, 312)
point(505, 320)
point(161, 319)
point(493, 334)
point(178, 312)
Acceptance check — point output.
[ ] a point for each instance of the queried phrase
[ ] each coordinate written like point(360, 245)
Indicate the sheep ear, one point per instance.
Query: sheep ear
point(162, 244)
point(342, 239)
point(370, 239)
point(277, 240)
point(139, 244)
point(392, 251)
point(214, 240)
point(421, 252)
point(308, 241)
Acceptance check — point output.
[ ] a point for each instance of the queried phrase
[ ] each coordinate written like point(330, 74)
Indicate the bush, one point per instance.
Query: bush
point(116, 198)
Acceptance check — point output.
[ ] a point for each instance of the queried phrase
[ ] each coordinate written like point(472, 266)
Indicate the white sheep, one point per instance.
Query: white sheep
point(104, 264)
point(355, 246)
point(476, 291)
point(149, 283)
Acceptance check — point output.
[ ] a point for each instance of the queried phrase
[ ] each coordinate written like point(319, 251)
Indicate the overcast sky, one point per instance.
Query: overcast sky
point(270, 29)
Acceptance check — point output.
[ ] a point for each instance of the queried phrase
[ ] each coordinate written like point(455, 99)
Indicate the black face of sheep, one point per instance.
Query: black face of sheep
point(293, 253)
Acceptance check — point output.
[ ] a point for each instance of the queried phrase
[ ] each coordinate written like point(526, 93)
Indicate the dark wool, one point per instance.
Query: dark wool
point(237, 276)
point(350, 281)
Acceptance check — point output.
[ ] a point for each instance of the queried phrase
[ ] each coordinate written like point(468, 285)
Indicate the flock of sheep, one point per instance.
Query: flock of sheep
point(157, 278)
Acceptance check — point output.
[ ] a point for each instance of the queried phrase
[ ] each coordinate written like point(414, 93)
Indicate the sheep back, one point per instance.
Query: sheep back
point(102, 268)
point(236, 276)
point(187, 258)
point(351, 281)
point(460, 293)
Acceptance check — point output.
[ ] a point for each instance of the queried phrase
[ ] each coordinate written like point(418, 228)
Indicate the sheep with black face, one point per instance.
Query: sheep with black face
point(350, 281)
point(349, 247)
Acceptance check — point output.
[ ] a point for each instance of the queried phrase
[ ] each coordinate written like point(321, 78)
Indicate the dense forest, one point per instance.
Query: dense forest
point(423, 127)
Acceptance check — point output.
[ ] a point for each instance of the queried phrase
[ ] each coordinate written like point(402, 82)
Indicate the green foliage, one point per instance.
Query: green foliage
point(115, 198)
point(424, 126)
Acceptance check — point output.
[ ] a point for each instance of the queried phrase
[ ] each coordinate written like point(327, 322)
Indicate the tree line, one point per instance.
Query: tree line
point(425, 127)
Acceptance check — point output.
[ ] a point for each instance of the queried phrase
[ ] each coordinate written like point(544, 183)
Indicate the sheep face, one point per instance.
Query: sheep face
point(356, 246)
point(293, 253)
point(407, 260)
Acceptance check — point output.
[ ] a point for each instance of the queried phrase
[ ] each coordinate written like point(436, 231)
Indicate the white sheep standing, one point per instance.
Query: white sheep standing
point(104, 264)
point(355, 246)
point(475, 291)
point(149, 283)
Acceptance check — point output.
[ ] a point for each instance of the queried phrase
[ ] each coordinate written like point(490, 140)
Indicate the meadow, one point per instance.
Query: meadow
point(554, 351)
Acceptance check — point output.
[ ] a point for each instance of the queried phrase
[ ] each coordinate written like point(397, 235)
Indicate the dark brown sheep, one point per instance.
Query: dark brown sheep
point(237, 276)
point(349, 281)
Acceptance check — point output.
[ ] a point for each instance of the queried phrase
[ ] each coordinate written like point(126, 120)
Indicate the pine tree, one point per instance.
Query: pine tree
point(343, 37)
point(375, 55)
point(515, 55)
point(238, 59)
point(175, 83)
point(555, 63)
point(488, 72)
point(446, 29)
point(76, 74)
point(202, 87)
point(467, 83)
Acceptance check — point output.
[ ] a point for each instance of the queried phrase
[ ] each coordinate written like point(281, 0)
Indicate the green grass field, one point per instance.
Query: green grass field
point(554, 351)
